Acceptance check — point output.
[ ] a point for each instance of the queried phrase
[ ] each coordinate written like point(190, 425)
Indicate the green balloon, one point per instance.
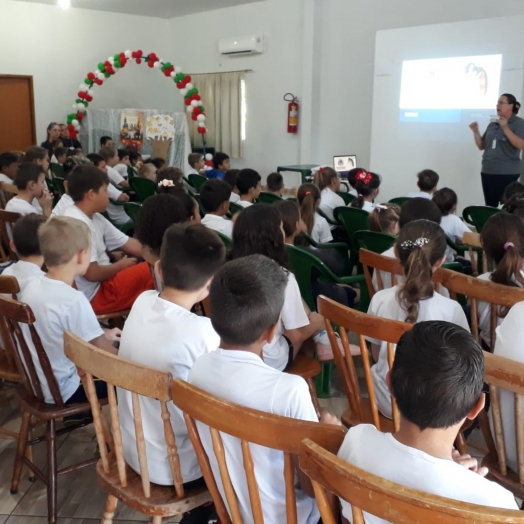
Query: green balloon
point(86, 103)
point(179, 77)
point(118, 64)
point(101, 67)
point(72, 116)
point(88, 81)
point(167, 65)
point(191, 92)
point(78, 100)
point(202, 109)
point(107, 75)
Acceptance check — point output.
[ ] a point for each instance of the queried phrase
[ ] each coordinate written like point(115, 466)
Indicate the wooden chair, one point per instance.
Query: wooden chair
point(387, 500)
point(380, 264)
point(32, 403)
point(7, 221)
point(121, 482)
point(251, 427)
point(349, 320)
point(7, 191)
point(504, 373)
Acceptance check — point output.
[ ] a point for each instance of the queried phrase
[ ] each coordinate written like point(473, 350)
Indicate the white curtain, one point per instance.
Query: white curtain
point(222, 99)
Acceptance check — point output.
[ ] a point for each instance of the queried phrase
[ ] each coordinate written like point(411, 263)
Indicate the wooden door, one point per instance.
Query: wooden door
point(17, 113)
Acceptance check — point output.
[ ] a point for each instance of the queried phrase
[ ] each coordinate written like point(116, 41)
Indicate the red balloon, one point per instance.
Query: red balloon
point(153, 57)
point(107, 63)
point(167, 72)
point(139, 53)
point(81, 94)
point(123, 61)
point(202, 130)
point(71, 128)
point(98, 82)
point(151, 64)
point(187, 79)
point(91, 76)
point(187, 101)
point(122, 56)
point(138, 60)
point(197, 110)
point(80, 115)
point(133, 54)
point(89, 98)
point(193, 117)
point(180, 85)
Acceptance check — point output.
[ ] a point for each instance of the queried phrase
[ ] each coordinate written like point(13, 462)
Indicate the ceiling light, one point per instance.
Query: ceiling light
point(64, 4)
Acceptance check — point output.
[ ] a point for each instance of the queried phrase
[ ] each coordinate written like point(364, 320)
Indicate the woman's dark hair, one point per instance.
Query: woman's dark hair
point(515, 206)
point(308, 195)
point(324, 176)
point(420, 245)
point(190, 204)
point(512, 101)
point(512, 190)
point(446, 200)
point(157, 214)
point(257, 232)
point(383, 218)
point(365, 184)
point(49, 127)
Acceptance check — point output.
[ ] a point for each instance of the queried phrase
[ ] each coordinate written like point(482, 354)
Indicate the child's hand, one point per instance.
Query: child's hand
point(113, 335)
point(126, 262)
point(468, 462)
point(46, 200)
point(328, 418)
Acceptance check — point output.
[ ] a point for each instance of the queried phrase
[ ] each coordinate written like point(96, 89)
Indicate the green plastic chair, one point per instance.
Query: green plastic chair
point(268, 198)
point(201, 207)
point(228, 243)
point(478, 215)
point(58, 184)
point(130, 172)
point(132, 210)
point(352, 220)
point(400, 201)
point(57, 169)
point(329, 220)
point(142, 187)
point(340, 247)
point(346, 197)
point(197, 181)
point(234, 208)
point(374, 241)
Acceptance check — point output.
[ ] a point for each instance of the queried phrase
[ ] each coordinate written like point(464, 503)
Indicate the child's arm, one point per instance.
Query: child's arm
point(103, 343)
point(97, 273)
point(132, 248)
point(124, 184)
point(123, 198)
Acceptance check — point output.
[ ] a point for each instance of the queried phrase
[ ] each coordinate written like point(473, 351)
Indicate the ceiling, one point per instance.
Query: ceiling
point(153, 8)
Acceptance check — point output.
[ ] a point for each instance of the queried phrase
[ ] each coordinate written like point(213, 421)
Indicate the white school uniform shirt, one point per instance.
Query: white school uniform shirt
point(329, 201)
point(220, 224)
point(243, 203)
point(17, 205)
point(321, 231)
point(121, 169)
point(386, 305)
point(104, 237)
point(454, 229)
point(192, 171)
point(292, 316)
point(114, 212)
point(168, 337)
point(114, 175)
point(367, 206)
point(64, 203)
point(383, 455)
point(24, 272)
point(5, 179)
point(58, 308)
point(509, 345)
point(243, 378)
point(420, 194)
point(235, 198)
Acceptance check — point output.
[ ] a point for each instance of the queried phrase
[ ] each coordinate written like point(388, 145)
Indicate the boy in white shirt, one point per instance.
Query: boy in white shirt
point(434, 399)
point(427, 184)
point(32, 192)
point(26, 245)
point(197, 163)
point(249, 186)
point(214, 195)
point(246, 298)
point(190, 257)
point(230, 176)
point(110, 156)
point(109, 287)
point(123, 163)
point(8, 166)
point(58, 307)
point(65, 200)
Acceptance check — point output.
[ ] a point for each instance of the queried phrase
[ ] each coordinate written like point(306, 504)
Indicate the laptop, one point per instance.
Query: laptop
point(344, 163)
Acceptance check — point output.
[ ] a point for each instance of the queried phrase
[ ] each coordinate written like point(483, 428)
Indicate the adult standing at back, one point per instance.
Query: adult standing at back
point(502, 143)
point(53, 133)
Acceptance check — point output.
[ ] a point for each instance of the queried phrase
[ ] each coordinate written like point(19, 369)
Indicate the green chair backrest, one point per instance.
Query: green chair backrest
point(400, 201)
point(352, 218)
point(197, 181)
point(234, 208)
point(374, 241)
point(479, 215)
point(132, 210)
point(268, 198)
point(130, 172)
point(202, 210)
point(226, 240)
point(58, 184)
point(329, 221)
point(346, 197)
point(57, 170)
point(143, 187)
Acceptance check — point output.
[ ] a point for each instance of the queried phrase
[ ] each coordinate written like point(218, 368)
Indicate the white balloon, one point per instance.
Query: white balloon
point(194, 103)
point(209, 156)
point(80, 107)
point(201, 118)
point(173, 74)
point(183, 92)
point(189, 109)
point(157, 65)
point(90, 92)
point(161, 60)
point(189, 86)
point(178, 69)
point(128, 54)
point(83, 87)
point(111, 60)
point(100, 75)
point(75, 122)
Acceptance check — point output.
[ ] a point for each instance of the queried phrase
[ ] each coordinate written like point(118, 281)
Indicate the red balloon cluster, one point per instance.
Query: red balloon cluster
point(151, 59)
point(137, 55)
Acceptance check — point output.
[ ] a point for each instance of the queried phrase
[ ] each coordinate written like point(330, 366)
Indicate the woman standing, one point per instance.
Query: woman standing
point(502, 143)
point(53, 133)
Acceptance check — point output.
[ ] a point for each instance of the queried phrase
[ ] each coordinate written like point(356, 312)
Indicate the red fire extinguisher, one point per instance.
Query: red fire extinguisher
point(292, 112)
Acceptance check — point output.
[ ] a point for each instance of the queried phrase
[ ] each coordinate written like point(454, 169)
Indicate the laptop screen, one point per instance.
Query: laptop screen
point(344, 163)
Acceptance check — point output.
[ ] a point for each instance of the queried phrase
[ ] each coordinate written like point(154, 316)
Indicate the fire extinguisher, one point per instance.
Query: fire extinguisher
point(292, 112)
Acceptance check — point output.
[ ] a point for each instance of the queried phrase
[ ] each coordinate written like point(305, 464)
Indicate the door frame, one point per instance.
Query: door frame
point(32, 102)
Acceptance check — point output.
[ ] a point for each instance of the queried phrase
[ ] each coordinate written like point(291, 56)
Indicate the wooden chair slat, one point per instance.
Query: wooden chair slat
point(519, 426)
point(394, 408)
point(7, 221)
point(291, 500)
point(174, 462)
point(117, 435)
point(254, 495)
point(369, 381)
point(140, 444)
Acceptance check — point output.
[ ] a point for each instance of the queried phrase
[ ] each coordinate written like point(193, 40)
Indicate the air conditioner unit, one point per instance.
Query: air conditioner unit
point(241, 45)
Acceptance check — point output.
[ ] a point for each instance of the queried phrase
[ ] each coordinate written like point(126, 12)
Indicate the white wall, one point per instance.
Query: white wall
point(59, 47)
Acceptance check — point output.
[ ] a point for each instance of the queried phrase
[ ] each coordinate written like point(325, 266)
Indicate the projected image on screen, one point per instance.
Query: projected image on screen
point(449, 89)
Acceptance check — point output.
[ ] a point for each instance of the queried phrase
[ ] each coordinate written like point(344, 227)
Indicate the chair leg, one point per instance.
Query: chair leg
point(460, 443)
point(51, 473)
point(20, 451)
point(110, 510)
point(157, 520)
point(314, 397)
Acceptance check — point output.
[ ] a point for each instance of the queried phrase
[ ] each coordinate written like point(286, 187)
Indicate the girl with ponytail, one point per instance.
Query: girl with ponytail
point(421, 249)
point(326, 179)
point(366, 185)
point(317, 226)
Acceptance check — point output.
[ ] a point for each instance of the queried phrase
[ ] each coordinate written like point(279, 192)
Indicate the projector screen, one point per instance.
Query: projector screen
point(431, 83)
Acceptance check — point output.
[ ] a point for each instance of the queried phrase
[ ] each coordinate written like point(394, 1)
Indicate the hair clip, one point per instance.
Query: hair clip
point(364, 177)
point(378, 207)
point(166, 183)
point(508, 244)
point(409, 245)
point(308, 193)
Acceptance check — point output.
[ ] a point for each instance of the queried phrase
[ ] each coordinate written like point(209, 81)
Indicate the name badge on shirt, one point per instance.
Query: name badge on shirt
point(494, 144)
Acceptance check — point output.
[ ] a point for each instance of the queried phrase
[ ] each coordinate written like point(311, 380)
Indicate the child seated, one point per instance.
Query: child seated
point(366, 186)
point(190, 257)
point(158, 162)
point(230, 177)
point(275, 186)
point(58, 307)
point(427, 184)
point(249, 186)
point(60, 155)
point(238, 372)
point(107, 141)
point(8, 166)
point(26, 245)
point(515, 190)
point(109, 287)
point(111, 158)
point(33, 197)
point(171, 174)
point(214, 195)
point(197, 163)
point(326, 179)
point(135, 159)
point(421, 249)
point(317, 227)
point(147, 171)
point(65, 200)
point(385, 219)
point(39, 156)
point(434, 399)
point(123, 163)
point(221, 164)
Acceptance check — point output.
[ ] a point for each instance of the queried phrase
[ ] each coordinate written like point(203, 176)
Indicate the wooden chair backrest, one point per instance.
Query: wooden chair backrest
point(139, 380)
point(500, 297)
point(15, 314)
point(250, 426)
point(8, 286)
point(8, 191)
point(351, 320)
point(379, 263)
point(500, 372)
point(7, 221)
point(384, 499)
